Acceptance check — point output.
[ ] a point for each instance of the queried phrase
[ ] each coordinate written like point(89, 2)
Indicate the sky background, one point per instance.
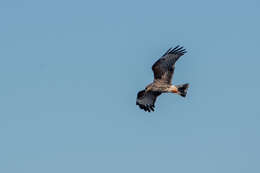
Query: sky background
point(70, 71)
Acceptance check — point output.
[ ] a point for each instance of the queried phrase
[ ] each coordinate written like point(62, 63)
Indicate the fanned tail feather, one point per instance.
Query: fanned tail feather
point(182, 89)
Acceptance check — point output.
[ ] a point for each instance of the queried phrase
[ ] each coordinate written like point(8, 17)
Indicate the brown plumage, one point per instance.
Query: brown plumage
point(163, 70)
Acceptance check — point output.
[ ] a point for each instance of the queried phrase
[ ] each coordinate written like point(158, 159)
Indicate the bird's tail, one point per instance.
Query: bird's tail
point(182, 89)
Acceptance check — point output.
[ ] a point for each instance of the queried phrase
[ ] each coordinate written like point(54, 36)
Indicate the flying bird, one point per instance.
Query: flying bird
point(163, 70)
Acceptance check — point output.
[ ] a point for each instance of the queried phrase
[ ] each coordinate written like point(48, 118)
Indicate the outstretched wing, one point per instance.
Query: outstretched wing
point(164, 67)
point(146, 100)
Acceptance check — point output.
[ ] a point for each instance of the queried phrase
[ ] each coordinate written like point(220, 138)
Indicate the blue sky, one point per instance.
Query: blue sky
point(70, 71)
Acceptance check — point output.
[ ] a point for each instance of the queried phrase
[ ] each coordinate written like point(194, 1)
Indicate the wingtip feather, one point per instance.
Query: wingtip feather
point(179, 50)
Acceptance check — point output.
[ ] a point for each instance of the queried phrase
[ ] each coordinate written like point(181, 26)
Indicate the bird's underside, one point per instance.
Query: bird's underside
point(163, 70)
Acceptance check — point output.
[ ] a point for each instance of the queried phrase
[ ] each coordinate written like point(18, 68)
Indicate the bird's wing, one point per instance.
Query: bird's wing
point(146, 100)
point(163, 68)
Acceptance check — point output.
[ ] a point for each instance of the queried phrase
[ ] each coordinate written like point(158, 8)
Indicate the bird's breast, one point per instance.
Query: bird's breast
point(159, 87)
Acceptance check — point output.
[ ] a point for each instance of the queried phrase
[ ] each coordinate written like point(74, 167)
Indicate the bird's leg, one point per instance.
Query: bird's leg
point(173, 89)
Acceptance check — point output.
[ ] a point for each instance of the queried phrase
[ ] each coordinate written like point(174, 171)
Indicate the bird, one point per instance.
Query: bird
point(163, 70)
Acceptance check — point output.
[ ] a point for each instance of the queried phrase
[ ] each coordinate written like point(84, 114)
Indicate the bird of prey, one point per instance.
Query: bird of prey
point(163, 70)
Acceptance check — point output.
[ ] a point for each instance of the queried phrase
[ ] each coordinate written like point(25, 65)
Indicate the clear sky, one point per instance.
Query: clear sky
point(70, 71)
